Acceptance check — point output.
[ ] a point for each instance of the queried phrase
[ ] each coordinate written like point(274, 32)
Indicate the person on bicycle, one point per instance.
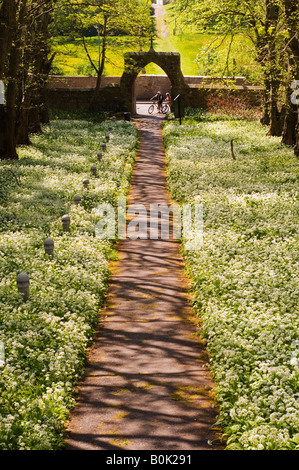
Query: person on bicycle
point(168, 101)
point(168, 98)
point(159, 97)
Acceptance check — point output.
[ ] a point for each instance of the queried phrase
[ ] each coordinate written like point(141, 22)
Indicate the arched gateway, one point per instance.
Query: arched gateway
point(170, 63)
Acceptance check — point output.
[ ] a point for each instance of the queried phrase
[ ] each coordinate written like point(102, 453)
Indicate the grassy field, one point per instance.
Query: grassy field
point(71, 58)
point(245, 276)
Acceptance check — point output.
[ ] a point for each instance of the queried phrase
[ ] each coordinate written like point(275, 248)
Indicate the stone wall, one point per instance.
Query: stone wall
point(205, 98)
point(74, 93)
point(59, 81)
point(145, 85)
point(75, 99)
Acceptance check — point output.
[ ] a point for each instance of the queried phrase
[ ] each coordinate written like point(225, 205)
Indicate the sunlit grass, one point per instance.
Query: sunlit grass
point(71, 58)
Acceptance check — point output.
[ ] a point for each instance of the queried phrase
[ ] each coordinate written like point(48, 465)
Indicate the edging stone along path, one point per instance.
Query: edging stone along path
point(147, 385)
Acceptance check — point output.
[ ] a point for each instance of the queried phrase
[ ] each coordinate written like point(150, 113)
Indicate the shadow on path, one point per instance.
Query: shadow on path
point(147, 385)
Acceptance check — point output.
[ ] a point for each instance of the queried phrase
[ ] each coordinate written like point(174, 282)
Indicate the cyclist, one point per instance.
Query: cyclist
point(168, 98)
point(159, 97)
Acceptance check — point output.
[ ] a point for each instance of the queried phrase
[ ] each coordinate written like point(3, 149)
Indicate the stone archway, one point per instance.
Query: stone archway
point(170, 63)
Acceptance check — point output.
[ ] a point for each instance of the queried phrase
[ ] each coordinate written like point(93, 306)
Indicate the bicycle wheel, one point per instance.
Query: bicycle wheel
point(165, 108)
point(151, 109)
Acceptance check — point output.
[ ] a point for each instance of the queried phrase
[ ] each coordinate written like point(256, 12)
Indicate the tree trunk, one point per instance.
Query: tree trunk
point(102, 57)
point(44, 114)
point(261, 50)
point(291, 130)
point(290, 122)
point(9, 144)
point(296, 148)
point(33, 108)
point(7, 23)
point(15, 31)
point(272, 11)
point(22, 134)
point(23, 49)
point(6, 13)
point(265, 120)
point(275, 127)
point(41, 70)
point(2, 130)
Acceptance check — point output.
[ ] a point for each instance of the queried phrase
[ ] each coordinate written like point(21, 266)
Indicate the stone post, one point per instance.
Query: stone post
point(77, 199)
point(66, 222)
point(23, 285)
point(49, 246)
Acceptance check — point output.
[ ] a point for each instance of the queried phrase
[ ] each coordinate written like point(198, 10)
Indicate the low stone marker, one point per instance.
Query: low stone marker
point(77, 199)
point(49, 246)
point(66, 222)
point(23, 285)
point(86, 183)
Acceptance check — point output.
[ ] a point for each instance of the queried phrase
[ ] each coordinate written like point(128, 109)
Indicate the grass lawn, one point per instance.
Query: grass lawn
point(189, 43)
point(71, 58)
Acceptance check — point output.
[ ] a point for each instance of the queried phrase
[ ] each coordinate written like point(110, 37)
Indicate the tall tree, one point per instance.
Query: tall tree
point(34, 69)
point(291, 126)
point(273, 62)
point(107, 17)
point(7, 15)
point(12, 39)
point(24, 66)
point(272, 26)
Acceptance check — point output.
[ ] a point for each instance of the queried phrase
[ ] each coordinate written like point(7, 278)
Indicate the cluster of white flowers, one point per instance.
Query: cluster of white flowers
point(45, 338)
point(246, 276)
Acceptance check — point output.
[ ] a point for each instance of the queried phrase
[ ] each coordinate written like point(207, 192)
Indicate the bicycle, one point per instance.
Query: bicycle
point(164, 108)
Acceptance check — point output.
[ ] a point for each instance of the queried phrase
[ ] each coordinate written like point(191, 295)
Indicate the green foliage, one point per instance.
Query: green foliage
point(264, 23)
point(101, 19)
point(208, 58)
point(245, 276)
point(46, 338)
point(71, 59)
point(194, 47)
